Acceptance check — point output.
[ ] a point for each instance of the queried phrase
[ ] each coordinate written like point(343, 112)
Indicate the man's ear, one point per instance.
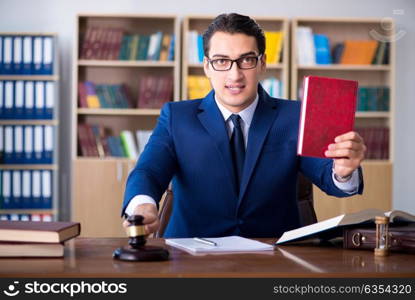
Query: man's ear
point(206, 67)
point(263, 62)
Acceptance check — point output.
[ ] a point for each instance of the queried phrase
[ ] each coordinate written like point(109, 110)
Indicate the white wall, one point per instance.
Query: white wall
point(59, 16)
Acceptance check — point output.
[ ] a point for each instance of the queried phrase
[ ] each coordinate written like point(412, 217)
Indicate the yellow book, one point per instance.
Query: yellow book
point(197, 86)
point(93, 101)
point(278, 47)
point(273, 46)
point(134, 47)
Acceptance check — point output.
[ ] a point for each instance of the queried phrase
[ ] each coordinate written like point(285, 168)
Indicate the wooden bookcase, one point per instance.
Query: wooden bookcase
point(200, 23)
point(98, 183)
point(53, 212)
point(377, 173)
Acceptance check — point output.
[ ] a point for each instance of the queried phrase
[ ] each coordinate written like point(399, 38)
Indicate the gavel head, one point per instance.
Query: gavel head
point(136, 231)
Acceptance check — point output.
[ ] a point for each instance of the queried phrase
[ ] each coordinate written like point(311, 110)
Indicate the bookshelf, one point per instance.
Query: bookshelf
point(98, 182)
point(199, 23)
point(377, 172)
point(29, 88)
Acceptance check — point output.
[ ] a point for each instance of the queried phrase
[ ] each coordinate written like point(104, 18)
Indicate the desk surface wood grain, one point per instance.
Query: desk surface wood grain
point(89, 257)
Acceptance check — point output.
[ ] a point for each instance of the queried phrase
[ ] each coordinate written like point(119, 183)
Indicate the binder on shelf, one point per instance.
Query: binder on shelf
point(29, 95)
point(38, 143)
point(27, 55)
point(18, 145)
point(36, 189)
point(48, 145)
point(17, 55)
point(26, 189)
point(28, 145)
point(39, 100)
point(49, 100)
point(18, 100)
point(1, 148)
point(8, 99)
point(16, 201)
point(6, 189)
point(8, 144)
point(46, 189)
point(37, 55)
point(1, 55)
point(1, 96)
point(47, 63)
point(7, 55)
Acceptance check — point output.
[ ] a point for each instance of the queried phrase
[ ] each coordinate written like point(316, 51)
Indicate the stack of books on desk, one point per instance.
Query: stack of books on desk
point(35, 239)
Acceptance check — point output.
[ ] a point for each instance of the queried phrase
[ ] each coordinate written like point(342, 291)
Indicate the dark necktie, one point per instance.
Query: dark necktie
point(237, 148)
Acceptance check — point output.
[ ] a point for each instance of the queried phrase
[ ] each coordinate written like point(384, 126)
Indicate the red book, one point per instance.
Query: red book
point(327, 110)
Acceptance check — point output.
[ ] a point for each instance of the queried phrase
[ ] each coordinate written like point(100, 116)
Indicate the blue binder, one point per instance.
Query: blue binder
point(18, 55)
point(16, 199)
point(37, 55)
point(48, 134)
point(26, 189)
point(39, 110)
point(29, 100)
point(1, 55)
point(29, 156)
point(6, 187)
point(27, 54)
point(38, 144)
point(18, 145)
point(49, 100)
point(1, 99)
point(47, 189)
point(8, 145)
point(18, 100)
point(7, 55)
point(8, 102)
point(36, 189)
point(47, 57)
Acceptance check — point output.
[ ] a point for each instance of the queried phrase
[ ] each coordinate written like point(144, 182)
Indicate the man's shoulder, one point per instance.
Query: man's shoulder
point(185, 104)
point(285, 104)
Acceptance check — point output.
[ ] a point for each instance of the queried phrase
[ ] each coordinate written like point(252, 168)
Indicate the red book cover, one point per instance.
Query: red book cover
point(327, 110)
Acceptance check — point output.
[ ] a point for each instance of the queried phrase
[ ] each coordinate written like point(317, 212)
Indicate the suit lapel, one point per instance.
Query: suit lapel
point(212, 119)
point(262, 121)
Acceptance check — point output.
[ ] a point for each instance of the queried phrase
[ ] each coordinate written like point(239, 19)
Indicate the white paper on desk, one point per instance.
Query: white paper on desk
point(223, 244)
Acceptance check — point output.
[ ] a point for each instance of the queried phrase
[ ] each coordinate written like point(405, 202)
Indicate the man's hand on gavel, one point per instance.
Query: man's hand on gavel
point(151, 219)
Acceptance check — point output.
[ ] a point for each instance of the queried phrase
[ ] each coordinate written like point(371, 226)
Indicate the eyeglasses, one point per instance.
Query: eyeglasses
point(225, 64)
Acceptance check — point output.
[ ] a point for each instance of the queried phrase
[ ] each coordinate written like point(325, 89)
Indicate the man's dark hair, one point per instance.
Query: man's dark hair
point(234, 23)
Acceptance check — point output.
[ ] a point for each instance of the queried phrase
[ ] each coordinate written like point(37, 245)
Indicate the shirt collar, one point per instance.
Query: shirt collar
point(246, 114)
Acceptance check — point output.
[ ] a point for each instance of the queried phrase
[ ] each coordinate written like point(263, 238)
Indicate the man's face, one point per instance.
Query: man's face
point(235, 89)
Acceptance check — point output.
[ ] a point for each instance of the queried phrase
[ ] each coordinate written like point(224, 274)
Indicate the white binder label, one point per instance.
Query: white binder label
point(17, 49)
point(29, 94)
point(47, 50)
point(6, 184)
point(38, 139)
point(8, 94)
point(18, 98)
point(18, 139)
point(37, 50)
point(46, 184)
point(28, 139)
point(48, 138)
point(16, 184)
point(50, 97)
point(36, 184)
point(8, 140)
point(7, 50)
point(27, 50)
point(26, 184)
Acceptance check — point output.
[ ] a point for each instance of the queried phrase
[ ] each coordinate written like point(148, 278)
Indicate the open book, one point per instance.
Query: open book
point(222, 244)
point(332, 227)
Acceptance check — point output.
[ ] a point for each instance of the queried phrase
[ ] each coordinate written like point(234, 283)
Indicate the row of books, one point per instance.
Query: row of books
point(27, 217)
point(26, 55)
point(93, 95)
point(273, 86)
point(27, 99)
point(373, 98)
point(113, 44)
point(96, 141)
point(198, 86)
point(316, 49)
point(154, 91)
point(26, 189)
point(23, 144)
point(376, 140)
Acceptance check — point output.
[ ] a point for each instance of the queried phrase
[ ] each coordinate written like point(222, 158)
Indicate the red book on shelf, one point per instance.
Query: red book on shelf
point(327, 110)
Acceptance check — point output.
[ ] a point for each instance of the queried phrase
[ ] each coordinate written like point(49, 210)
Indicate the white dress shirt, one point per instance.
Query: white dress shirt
point(246, 115)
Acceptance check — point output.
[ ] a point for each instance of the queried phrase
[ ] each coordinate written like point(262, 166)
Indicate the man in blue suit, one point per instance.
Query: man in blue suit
point(232, 155)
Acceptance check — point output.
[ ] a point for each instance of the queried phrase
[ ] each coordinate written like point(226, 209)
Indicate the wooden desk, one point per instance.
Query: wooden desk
point(86, 257)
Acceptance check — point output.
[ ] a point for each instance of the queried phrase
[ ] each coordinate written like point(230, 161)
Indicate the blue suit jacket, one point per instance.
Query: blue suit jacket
point(190, 145)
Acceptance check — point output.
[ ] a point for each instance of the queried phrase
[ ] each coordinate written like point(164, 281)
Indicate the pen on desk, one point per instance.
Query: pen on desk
point(205, 241)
